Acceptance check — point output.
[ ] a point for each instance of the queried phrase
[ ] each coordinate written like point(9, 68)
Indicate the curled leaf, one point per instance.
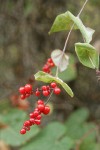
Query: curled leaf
point(60, 59)
point(47, 78)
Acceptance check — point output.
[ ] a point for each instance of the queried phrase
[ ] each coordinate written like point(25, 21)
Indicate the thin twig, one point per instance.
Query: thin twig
point(67, 39)
point(82, 8)
point(49, 98)
point(65, 45)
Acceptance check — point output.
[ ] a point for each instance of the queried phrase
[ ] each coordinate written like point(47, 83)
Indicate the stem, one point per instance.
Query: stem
point(82, 8)
point(65, 45)
point(66, 42)
point(49, 98)
point(68, 38)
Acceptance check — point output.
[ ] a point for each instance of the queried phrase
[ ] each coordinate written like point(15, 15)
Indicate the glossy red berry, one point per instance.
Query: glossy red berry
point(28, 88)
point(22, 131)
point(46, 68)
point(40, 102)
point(48, 87)
point(41, 107)
point(22, 90)
point(32, 120)
point(38, 122)
point(52, 64)
point(35, 113)
point(46, 110)
point(45, 93)
point(27, 123)
point(57, 91)
point(27, 95)
point(53, 84)
point(37, 93)
point(44, 88)
point(31, 115)
point(23, 96)
point(26, 128)
point(38, 117)
point(49, 60)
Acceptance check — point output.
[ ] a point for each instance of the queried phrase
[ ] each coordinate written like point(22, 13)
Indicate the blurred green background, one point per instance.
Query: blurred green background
point(24, 48)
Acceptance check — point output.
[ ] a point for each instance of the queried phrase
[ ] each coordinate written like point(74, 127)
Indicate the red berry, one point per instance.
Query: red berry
point(40, 102)
point(48, 87)
point(52, 64)
point(23, 96)
point(27, 95)
point(39, 117)
point(38, 122)
point(32, 120)
point(46, 93)
point(49, 60)
point(36, 113)
point(22, 131)
point(26, 128)
point(53, 84)
point(37, 93)
point(57, 91)
point(46, 68)
point(28, 88)
point(36, 109)
point(31, 115)
point(22, 90)
point(46, 110)
point(44, 88)
point(41, 107)
point(27, 123)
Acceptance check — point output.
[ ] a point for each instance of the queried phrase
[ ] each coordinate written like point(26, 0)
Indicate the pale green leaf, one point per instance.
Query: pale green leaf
point(47, 78)
point(51, 137)
point(66, 20)
point(87, 55)
point(70, 73)
point(60, 59)
point(13, 121)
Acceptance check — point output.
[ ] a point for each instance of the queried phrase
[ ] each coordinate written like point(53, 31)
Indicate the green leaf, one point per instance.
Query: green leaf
point(78, 128)
point(62, 22)
point(89, 142)
point(88, 146)
point(60, 59)
point(87, 55)
point(70, 73)
point(47, 78)
point(66, 20)
point(14, 120)
point(75, 122)
point(78, 117)
point(51, 137)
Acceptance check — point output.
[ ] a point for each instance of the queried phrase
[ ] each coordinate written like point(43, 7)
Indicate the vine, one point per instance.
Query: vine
point(86, 53)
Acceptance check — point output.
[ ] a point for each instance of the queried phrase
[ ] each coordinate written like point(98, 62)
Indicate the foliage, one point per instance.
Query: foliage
point(70, 73)
point(11, 122)
point(45, 77)
point(54, 136)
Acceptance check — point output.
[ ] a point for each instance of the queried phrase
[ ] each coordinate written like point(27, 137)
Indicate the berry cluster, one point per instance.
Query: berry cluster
point(35, 116)
point(46, 90)
point(49, 64)
point(25, 91)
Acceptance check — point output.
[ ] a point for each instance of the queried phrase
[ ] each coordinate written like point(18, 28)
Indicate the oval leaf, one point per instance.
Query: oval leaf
point(13, 123)
point(87, 55)
point(66, 20)
point(55, 141)
point(70, 73)
point(45, 77)
point(60, 59)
